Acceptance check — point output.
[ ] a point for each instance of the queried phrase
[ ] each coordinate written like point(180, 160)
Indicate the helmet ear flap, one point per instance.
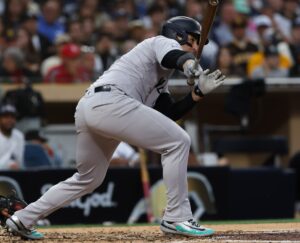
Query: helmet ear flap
point(180, 38)
point(173, 31)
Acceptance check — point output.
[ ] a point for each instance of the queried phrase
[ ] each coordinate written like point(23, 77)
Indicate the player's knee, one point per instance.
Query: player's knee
point(186, 140)
point(91, 179)
point(95, 183)
point(183, 142)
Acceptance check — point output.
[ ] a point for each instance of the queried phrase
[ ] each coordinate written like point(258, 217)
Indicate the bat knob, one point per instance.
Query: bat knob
point(190, 81)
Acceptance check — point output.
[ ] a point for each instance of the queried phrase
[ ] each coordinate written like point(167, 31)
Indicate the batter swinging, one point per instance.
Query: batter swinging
point(130, 102)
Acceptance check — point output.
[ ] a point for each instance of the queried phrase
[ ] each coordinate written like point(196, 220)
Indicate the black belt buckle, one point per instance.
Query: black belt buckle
point(104, 88)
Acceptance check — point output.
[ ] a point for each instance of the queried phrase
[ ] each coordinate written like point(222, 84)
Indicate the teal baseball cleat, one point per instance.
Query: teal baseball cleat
point(188, 228)
point(15, 226)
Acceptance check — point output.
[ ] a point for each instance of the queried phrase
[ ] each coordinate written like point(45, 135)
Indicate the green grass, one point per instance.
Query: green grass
point(223, 222)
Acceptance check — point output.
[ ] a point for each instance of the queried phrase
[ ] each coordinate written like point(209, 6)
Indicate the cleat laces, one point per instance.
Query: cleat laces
point(194, 223)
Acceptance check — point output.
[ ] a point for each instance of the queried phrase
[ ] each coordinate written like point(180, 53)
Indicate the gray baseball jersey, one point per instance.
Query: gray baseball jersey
point(139, 73)
point(123, 113)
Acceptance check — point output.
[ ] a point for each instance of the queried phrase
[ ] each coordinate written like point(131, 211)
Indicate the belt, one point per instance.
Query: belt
point(104, 88)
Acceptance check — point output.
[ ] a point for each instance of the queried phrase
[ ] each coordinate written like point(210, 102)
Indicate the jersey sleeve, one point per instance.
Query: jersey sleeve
point(163, 45)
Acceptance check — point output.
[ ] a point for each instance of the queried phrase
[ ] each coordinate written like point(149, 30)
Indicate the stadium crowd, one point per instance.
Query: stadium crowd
point(64, 41)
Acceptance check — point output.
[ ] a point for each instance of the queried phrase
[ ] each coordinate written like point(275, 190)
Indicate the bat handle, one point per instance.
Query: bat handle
point(191, 81)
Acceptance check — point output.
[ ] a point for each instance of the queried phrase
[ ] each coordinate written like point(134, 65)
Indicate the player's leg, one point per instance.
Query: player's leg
point(130, 121)
point(93, 153)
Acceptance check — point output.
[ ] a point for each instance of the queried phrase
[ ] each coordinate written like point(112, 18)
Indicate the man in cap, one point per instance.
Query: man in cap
point(11, 139)
point(70, 70)
point(35, 136)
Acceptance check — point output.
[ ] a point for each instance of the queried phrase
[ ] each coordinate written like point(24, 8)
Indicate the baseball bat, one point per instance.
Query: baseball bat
point(206, 26)
point(146, 185)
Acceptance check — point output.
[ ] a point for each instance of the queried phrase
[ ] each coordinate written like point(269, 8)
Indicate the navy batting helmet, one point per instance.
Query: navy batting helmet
point(179, 27)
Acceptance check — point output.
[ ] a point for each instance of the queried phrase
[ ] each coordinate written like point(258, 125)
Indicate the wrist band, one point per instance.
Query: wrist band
point(198, 91)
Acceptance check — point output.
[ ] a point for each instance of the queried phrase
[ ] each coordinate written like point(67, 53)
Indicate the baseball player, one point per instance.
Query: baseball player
point(130, 102)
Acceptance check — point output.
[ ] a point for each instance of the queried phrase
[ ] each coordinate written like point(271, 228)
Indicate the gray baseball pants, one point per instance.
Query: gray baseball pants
point(102, 120)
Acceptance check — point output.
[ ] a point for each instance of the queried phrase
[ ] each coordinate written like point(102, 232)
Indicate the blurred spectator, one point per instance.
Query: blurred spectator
point(266, 36)
point(36, 137)
point(175, 8)
point(2, 37)
point(69, 7)
point(194, 9)
point(284, 18)
point(268, 22)
point(32, 58)
point(222, 31)
point(150, 33)
point(264, 29)
point(270, 67)
point(294, 48)
point(121, 19)
point(157, 14)
point(109, 27)
point(137, 30)
point(94, 10)
point(39, 42)
point(91, 62)
point(49, 23)
point(55, 59)
point(30, 105)
point(294, 163)
point(209, 55)
point(240, 47)
point(87, 8)
point(225, 62)
point(74, 29)
point(12, 69)
point(106, 51)
point(31, 6)
point(128, 6)
point(11, 140)
point(242, 7)
point(70, 70)
point(258, 59)
point(273, 5)
point(13, 15)
point(89, 31)
point(127, 46)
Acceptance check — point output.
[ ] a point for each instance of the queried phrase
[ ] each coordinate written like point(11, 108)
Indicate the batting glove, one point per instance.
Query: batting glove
point(190, 71)
point(207, 82)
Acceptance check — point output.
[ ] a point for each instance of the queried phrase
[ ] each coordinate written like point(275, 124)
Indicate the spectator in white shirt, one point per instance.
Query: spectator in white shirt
point(11, 140)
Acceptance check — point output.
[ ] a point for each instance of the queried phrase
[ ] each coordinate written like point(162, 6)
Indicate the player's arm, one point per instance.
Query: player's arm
point(175, 59)
point(174, 109)
point(184, 61)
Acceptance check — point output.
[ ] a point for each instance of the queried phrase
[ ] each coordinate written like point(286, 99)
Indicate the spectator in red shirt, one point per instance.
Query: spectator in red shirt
point(70, 70)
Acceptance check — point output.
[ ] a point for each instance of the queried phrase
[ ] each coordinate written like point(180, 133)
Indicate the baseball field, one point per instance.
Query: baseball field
point(226, 232)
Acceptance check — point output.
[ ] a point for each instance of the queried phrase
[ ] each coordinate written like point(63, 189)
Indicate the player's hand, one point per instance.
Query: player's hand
point(190, 71)
point(207, 82)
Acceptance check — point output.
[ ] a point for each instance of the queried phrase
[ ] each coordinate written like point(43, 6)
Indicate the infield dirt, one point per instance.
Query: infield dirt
point(267, 233)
